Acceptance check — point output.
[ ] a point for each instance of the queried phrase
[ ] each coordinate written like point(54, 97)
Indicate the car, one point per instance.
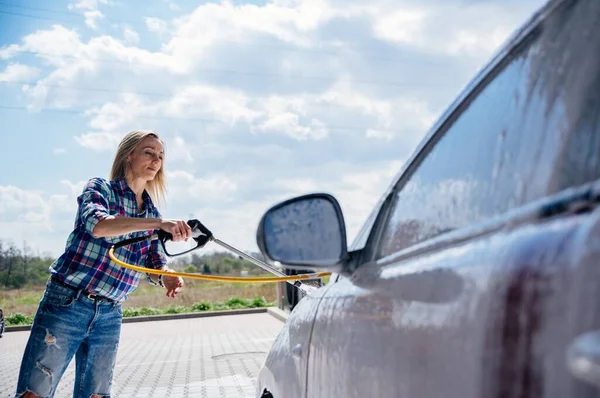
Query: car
point(477, 273)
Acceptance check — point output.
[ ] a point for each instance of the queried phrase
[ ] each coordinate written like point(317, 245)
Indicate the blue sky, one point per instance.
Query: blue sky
point(256, 101)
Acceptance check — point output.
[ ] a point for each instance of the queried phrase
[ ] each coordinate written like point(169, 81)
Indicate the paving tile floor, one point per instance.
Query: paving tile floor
point(199, 357)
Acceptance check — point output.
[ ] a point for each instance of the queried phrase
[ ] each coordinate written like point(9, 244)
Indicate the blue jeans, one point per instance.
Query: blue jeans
point(69, 323)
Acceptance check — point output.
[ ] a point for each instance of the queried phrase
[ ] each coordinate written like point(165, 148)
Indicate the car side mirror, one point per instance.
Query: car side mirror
point(307, 231)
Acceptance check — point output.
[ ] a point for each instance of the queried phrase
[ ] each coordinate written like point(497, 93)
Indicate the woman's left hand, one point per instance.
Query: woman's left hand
point(173, 284)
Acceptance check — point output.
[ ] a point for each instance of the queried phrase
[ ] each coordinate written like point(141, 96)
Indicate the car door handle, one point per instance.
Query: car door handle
point(297, 351)
point(583, 358)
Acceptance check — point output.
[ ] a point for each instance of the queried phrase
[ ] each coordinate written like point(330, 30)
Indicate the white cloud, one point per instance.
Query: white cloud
point(87, 4)
point(234, 225)
point(283, 116)
point(186, 187)
point(180, 151)
point(75, 188)
point(227, 105)
point(112, 117)
point(19, 73)
point(211, 25)
point(77, 64)
point(289, 124)
point(157, 25)
point(14, 202)
point(343, 94)
point(131, 36)
point(215, 184)
point(454, 28)
point(57, 41)
point(9, 51)
point(214, 22)
point(59, 151)
point(92, 17)
point(202, 102)
point(41, 219)
point(172, 5)
point(196, 35)
point(297, 186)
point(34, 207)
point(91, 11)
point(385, 135)
point(98, 141)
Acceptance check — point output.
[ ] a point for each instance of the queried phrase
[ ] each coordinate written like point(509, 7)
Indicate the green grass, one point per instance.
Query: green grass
point(18, 319)
point(232, 303)
point(26, 298)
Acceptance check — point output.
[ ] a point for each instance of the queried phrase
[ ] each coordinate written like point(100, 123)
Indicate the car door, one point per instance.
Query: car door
point(283, 374)
point(478, 276)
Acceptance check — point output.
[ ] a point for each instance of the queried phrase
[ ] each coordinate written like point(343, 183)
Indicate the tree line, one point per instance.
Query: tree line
point(20, 266)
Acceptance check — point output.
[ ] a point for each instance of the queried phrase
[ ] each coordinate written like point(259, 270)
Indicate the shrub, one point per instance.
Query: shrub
point(258, 302)
point(236, 302)
point(18, 319)
point(149, 311)
point(177, 309)
point(190, 269)
point(203, 306)
point(128, 312)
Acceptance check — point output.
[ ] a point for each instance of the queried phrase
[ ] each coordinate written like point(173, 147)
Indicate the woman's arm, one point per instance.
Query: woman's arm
point(93, 209)
point(114, 226)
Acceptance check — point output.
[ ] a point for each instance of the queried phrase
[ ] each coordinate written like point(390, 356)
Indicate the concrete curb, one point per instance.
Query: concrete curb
point(165, 317)
point(19, 328)
point(278, 313)
point(187, 315)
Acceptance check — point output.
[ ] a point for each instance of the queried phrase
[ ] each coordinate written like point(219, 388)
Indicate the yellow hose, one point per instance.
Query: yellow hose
point(231, 279)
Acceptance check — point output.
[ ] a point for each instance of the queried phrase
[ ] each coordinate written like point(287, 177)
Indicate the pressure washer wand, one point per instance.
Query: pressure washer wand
point(302, 286)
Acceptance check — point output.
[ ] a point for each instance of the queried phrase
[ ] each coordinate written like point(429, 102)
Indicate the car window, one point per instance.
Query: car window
point(522, 136)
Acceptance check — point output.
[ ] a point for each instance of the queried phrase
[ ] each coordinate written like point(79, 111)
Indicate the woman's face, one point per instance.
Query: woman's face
point(146, 159)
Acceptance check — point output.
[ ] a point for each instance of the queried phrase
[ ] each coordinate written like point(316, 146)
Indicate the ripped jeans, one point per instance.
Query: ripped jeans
point(69, 323)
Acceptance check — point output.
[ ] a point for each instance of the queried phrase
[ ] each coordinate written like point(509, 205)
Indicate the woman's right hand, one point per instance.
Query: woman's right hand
point(178, 228)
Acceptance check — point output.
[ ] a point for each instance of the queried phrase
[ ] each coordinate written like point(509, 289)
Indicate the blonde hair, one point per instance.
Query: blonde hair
point(157, 188)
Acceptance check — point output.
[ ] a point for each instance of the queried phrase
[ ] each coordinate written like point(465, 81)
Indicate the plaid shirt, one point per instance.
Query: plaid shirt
point(85, 263)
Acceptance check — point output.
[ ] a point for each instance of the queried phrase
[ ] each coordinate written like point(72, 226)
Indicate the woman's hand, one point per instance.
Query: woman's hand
point(178, 228)
point(173, 284)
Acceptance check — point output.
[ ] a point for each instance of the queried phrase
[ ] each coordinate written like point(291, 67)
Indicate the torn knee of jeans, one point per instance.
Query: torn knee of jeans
point(44, 369)
point(50, 339)
point(99, 396)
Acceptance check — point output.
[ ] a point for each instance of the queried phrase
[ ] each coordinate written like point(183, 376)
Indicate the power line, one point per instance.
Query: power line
point(68, 14)
point(31, 16)
point(53, 11)
point(204, 120)
point(120, 62)
point(78, 112)
point(67, 56)
point(148, 94)
point(139, 93)
point(92, 89)
point(156, 94)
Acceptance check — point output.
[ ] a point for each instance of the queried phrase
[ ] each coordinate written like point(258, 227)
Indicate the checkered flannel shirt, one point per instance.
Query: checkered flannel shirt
point(85, 263)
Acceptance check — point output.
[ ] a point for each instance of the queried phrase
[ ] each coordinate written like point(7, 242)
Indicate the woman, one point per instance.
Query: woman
point(81, 311)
